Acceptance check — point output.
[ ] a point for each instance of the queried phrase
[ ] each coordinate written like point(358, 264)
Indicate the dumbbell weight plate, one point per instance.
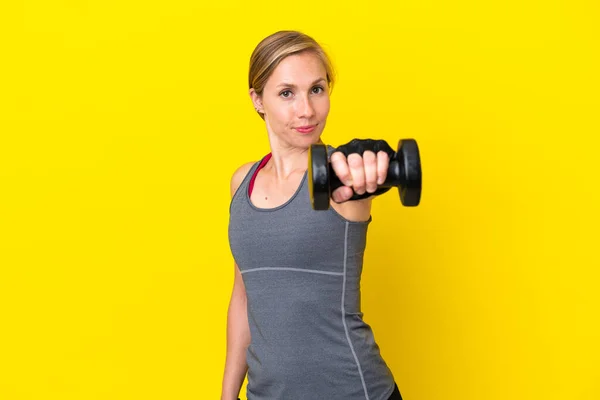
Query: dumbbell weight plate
point(318, 178)
point(410, 162)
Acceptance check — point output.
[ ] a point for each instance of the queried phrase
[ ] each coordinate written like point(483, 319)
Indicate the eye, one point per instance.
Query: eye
point(318, 89)
point(285, 93)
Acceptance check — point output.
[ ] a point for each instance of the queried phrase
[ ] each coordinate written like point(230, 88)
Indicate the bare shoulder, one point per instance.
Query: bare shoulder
point(238, 176)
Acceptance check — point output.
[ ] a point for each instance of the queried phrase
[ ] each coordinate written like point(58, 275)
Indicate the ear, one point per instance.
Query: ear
point(257, 101)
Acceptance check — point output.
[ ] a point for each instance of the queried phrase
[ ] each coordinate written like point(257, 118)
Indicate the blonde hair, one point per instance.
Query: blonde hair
point(271, 50)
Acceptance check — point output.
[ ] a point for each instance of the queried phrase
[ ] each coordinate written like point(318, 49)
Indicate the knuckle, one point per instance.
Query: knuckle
point(354, 160)
point(359, 186)
point(370, 162)
point(345, 178)
point(341, 194)
point(343, 175)
point(383, 155)
point(369, 155)
point(338, 164)
point(336, 195)
point(372, 183)
point(342, 172)
point(336, 157)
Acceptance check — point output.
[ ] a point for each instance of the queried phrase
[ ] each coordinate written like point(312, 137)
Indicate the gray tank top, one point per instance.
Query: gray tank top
point(302, 269)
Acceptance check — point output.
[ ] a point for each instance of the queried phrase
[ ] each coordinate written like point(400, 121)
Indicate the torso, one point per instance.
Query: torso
point(301, 271)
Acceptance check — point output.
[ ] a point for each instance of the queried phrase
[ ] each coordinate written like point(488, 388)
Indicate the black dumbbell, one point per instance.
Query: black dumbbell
point(404, 172)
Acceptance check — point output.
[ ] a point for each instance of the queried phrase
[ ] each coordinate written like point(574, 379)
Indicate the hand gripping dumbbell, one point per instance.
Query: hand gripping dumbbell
point(404, 172)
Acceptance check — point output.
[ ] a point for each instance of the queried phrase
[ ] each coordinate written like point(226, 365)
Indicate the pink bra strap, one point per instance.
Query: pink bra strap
point(262, 164)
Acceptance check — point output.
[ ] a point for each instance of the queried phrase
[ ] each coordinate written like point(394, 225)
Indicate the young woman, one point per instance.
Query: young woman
point(294, 321)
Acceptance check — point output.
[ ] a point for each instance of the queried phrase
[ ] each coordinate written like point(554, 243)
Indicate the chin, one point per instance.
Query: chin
point(312, 138)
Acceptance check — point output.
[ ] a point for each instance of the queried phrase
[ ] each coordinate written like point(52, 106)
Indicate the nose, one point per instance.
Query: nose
point(305, 108)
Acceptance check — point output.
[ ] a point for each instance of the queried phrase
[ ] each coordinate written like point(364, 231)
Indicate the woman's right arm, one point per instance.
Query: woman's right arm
point(238, 331)
point(238, 339)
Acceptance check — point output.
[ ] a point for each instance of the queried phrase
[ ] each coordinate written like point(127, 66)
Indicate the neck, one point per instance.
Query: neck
point(287, 159)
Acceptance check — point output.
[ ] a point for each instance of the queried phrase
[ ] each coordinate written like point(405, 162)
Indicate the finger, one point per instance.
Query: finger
point(340, 167)
point(370, 166)
point(355, 162)
point(383, 163)
point(341, 194)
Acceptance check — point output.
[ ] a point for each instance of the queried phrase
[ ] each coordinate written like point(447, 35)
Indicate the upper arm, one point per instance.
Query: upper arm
point(238, 176)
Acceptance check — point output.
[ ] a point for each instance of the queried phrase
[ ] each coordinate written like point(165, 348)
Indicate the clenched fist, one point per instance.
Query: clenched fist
point(359, 174)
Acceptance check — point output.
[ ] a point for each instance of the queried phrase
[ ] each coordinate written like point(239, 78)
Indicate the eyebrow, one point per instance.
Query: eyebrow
point(293, 86)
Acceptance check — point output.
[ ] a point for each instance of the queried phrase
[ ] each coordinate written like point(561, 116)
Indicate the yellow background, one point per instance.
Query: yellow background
point(122, 122)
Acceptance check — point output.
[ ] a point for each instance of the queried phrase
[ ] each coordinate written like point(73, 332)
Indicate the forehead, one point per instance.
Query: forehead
point(299, 68)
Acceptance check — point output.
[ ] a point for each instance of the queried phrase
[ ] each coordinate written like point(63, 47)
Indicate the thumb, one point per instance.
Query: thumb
point(342, 194)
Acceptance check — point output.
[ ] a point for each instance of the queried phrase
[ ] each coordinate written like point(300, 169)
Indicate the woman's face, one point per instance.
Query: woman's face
point(295, 100)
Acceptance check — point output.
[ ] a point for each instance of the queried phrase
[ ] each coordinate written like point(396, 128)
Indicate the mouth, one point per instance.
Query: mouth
point(306, 128)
